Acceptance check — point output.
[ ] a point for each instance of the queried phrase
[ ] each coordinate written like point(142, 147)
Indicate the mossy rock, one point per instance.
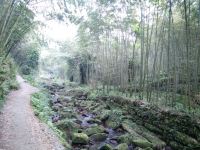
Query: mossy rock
point(139, 148)
point(67, 124)
point(126, 138)
point(130, 126)
point(65, 114)
point(134, 138)
point(175, 145)
point(142, 143)
point(104, 115)
point(185, 139)
point(98, 137)
point(80, 138)
point(112, 124)
point(94, 130)
point(153, 128)
point(92, 121)
point(122, 146)
point(98, 108)
point(106, 147)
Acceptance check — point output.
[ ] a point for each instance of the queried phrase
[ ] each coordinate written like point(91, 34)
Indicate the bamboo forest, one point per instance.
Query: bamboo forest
point(99, 74)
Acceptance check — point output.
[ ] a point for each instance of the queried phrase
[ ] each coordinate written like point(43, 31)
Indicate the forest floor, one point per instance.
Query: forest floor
point(20, 129)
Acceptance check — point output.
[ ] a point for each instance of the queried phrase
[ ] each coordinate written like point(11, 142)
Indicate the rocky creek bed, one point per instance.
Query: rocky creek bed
point(116, 123)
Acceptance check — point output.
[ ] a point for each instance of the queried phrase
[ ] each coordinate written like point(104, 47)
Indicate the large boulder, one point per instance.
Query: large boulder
point(80, 138)
point(122, 146)
point(111, 123)
point(135, 139)
point(94, 130)
point(132, 127)
point(67, 124)
point(142, 143)
point(125, 138)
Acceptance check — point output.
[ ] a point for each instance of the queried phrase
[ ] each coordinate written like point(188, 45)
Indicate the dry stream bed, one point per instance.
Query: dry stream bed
point(116, 123)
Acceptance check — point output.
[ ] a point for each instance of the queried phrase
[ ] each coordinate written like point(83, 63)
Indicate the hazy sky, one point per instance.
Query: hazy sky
point(58, 31)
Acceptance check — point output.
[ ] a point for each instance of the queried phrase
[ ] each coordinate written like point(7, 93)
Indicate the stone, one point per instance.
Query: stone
point(106, 147)
point(112, 124)
point(94, 130)
point(122, 146)
point(67, 124)
point(92, 121)
point(126, 138)
point(130, 126)
point(142, 143)
point(98, 137)
point(80, 138)
point(104, 115)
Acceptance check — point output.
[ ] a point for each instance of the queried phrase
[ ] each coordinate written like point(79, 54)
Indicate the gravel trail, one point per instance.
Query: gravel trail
point(19, 128)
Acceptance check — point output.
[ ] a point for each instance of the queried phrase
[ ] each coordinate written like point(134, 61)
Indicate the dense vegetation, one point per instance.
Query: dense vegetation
point(15, 21)
point(130, 79)
point(16, 40)
point(88, 121)
point(146, 49)
point(7, 79)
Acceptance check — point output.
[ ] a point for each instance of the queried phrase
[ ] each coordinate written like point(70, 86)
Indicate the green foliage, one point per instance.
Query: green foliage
point(7, 79)
point(41, 106)
point(140, 46)
point(14, 85)
point(26, 53)
point(16, 21)
point(92, 96)
point(40, 103)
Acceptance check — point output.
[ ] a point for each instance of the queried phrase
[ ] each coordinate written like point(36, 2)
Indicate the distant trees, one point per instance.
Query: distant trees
point(26, 53)
point(145, 48)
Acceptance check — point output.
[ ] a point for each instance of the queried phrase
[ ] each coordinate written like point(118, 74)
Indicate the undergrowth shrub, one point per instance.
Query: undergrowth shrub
point(7, 79)
point(42, 109)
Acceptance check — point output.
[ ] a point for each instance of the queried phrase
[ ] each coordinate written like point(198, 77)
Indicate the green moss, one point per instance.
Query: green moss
point(185, 139)
point(142, 143)
point(133, 127)
point(94, 130)
point(126, 138)
point(123, 146)
point(67, 124)
point(80, 138)
point(106, 147)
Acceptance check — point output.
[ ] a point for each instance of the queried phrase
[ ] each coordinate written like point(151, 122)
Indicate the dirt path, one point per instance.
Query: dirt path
point(19, 128)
